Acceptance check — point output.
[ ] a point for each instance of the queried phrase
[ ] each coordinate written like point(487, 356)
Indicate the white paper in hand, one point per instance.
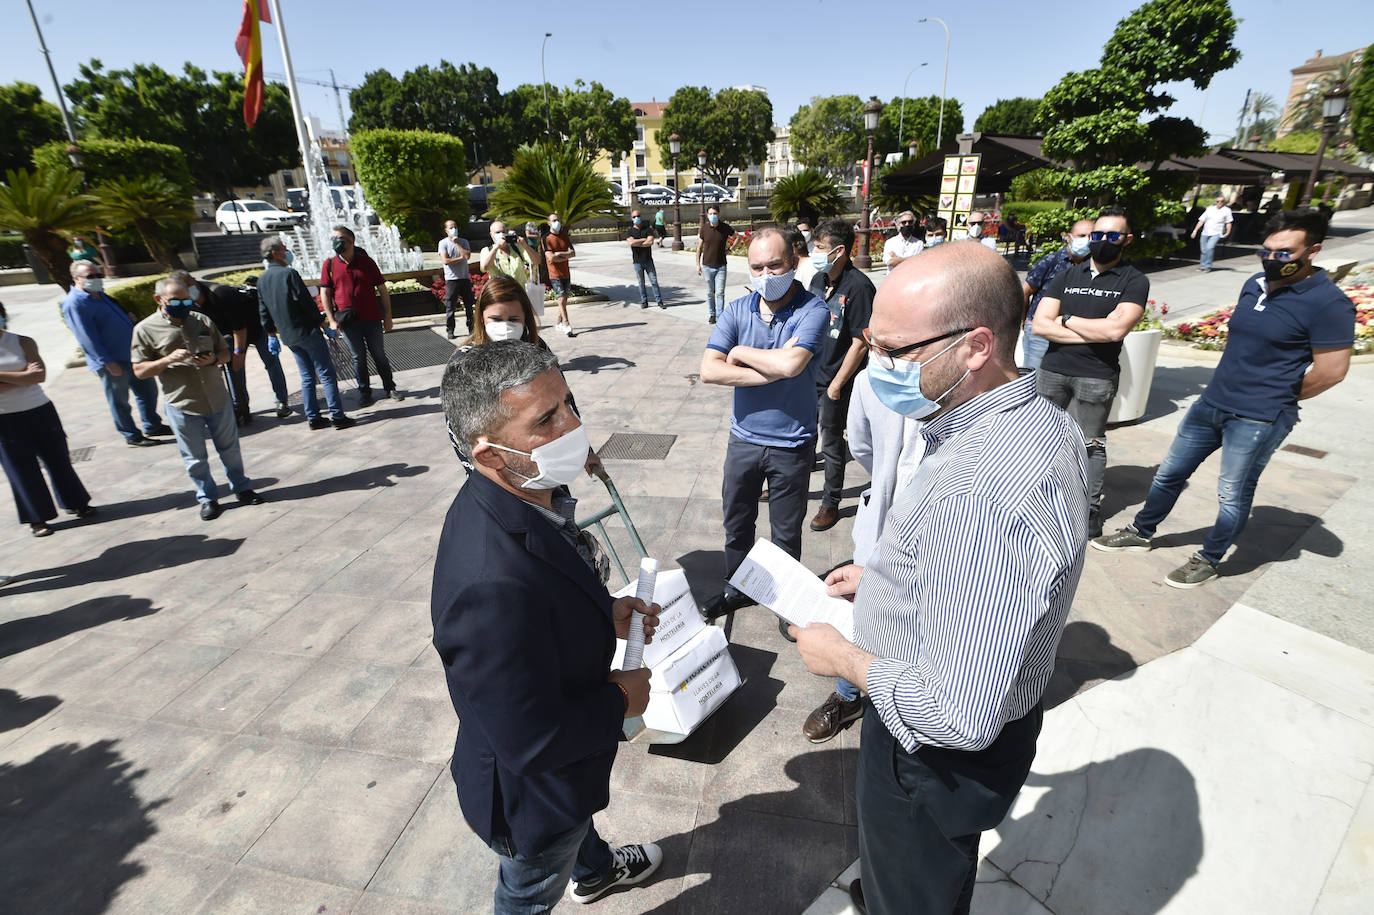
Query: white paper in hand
point(791, 590)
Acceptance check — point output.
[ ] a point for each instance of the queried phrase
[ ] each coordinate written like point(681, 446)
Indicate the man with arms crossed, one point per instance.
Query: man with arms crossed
point(960, 609)
point(453, 254)
point(1288, 318)
point(526, 631)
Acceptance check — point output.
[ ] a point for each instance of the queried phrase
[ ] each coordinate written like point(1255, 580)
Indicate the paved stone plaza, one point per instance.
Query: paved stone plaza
point(247, 715)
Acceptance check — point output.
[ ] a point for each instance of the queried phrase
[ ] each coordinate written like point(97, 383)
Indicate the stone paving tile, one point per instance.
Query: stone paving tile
point(390, 632)
point(373, 573)
point(155, 678)
point(78, 672)
point(168, 881)
point(313, 625)
point(326, 703)
point(237, 618)
point(236, 692)
point(377, 904)
point(249, 891)
point(346, 818)
point(414, 720)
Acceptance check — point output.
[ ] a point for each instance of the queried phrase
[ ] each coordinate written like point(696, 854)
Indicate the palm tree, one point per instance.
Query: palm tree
point(45, 205)
point(419, 202)
point(545, 179)
point(808, 193)
point(154, 208)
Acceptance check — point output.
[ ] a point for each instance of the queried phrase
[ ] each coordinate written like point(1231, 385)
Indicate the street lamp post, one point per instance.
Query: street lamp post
point(701, 170)
point(944, 81)
point(675, 147)
point(901, 118)
point(872, 111)
point(548, 126)
point(1333, 106)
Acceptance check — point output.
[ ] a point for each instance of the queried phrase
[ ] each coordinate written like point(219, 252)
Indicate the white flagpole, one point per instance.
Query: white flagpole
point(291, 89)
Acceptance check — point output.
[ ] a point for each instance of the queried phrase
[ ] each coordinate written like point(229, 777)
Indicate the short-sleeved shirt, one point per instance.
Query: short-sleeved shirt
point(560, 269)
point(456, 248)
point(1215, 219)
point(196, 389)
point(1083, 295)
point(782, 413)
point(354, 284)
point(850, 301)
point(85, 253)
point(511, 263)
point(658, 218)
point(714, 242)
point(641, 254)
point(897, 246)
point(1043, 273)
point(1269, 344)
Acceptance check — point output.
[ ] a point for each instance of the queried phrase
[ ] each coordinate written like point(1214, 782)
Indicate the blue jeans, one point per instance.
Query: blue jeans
point(1207, 244)
point(715, 288)
point(846, 690)
point(640, 271)
point(1033, 348)
point(274, 374)
point(312, 358)
point(528, 884)
point(1246, 446)
point(191, 430)
point(364, 337)
point(117, 389)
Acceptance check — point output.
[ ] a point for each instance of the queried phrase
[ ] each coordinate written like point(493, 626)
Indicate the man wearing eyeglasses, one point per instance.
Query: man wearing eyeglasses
point(977, 223)
point(959, 610)
point(1085, 314)
point(1288, 318)
point(906, 244)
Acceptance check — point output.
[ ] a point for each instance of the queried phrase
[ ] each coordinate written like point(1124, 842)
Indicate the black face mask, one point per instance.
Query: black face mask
point(1105, 252)
point(907, 231)
point(1279, 270)
point(339, 244)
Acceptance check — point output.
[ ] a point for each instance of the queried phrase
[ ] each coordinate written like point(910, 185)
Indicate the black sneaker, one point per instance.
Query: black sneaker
point(633, 863)
point(344, 422)
point(726, 603)
point(249, 497)
point(365, 399)
point(711, 320)
point(283, 409)
point(141, 442)
point(163, 429)
point(209, 511)
point(395, 394)
point(319, 422)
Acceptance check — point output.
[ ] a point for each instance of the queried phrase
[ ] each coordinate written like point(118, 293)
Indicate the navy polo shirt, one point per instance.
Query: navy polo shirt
point(1269, 344)
point(850, 303)
point(782, 413)
point(1083, 295)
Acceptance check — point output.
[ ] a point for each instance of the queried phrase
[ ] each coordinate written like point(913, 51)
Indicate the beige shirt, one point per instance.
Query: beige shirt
point(190, 388)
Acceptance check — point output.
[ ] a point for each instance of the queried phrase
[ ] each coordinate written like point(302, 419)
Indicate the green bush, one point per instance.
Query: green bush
point(234, 277)
point(109, 160)
point(1025, 209)
point(414, 179)
point(136, 295)
point(12, 251)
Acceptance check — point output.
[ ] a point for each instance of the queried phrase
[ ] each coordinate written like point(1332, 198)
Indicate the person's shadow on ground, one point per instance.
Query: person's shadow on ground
point(18, 711)
point(1272, 535)
point(366, 478)
point(124, 560)
point(1086, 654)
point(19, 635)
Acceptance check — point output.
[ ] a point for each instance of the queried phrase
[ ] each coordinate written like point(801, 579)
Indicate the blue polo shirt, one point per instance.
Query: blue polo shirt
point(782, 413)
point(1270, 341)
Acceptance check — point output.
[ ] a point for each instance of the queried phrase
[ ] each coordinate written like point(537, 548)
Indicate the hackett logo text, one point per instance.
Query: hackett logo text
point(1089, 290)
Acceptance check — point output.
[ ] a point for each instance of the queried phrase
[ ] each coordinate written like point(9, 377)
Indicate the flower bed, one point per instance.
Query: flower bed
point(1211, 330)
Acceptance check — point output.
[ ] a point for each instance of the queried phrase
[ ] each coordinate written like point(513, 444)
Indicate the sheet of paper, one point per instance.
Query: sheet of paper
point(791, 590)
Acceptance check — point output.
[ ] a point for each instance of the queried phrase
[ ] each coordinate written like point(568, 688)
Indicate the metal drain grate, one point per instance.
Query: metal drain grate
point(636, 446)
point(1304, 450)
point(82, 454)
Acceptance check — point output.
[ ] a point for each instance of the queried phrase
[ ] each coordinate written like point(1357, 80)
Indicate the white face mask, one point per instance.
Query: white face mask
point(559, 461)
point(93, 284)
point(772, 286)
point(500, 330)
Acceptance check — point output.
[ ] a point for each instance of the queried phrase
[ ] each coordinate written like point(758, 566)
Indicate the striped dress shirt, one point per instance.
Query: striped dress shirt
point(964, 600)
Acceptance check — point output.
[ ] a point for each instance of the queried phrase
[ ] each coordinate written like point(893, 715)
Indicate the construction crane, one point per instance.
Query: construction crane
point(332, 84)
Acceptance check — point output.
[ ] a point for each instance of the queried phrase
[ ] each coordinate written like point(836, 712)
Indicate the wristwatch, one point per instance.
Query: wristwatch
point(1064, 319)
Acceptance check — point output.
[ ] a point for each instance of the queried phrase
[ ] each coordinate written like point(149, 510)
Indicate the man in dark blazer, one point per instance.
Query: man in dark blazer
point(526, 631)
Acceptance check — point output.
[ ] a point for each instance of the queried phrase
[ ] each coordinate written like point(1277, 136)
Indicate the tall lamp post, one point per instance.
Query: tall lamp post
point(944, 81)
point(901, 118)
point(872, 111)
point(701, 169)
point(1333, 106)
point(548, 126)
point(675, 147)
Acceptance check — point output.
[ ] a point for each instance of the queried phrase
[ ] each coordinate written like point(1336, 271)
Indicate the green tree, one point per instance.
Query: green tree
point(415, 179)
point(155, 208)
point(733, 126)
point(104, 161)
point(1257, 105)
point(1015, 117)
point(808, 194)
point(591, 118)
point(1107, 123)
point(200, 114)
point(547, 178)
point(1038, 184)
point(46, 206)
point(1362, 109)
point(920, 121)
point(1298, 141)
point(464, 101)
point(29, 123)
point(828, 134)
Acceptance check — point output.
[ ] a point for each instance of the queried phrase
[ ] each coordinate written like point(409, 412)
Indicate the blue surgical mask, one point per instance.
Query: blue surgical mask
point(93, 285)
point(820, 261)
point(452, 233)
point(1079, 247)
point(290, 256)
point(773, 286)
point(555, 227)
point(712, 218)
point(899, 388)
point(177, 309)
point(637, 222)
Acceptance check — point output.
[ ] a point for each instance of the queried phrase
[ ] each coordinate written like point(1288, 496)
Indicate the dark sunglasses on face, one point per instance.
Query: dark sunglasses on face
point(1282, 257)
point(1113, 237)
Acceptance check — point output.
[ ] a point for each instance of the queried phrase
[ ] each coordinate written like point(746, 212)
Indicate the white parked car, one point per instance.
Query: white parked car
point(254, 216)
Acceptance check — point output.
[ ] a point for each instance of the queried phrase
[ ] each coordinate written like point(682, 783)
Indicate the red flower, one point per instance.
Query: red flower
point(1164, 309)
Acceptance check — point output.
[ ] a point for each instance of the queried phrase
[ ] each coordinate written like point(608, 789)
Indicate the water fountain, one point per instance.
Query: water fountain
point(310, 244)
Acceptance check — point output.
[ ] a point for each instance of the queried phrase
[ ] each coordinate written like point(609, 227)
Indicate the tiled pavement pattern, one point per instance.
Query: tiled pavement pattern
point(246, 715)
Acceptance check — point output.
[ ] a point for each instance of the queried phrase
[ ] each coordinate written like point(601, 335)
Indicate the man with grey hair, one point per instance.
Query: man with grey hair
point(906, 244)
point(964, 598)
point(183, 350)
point(526, 631)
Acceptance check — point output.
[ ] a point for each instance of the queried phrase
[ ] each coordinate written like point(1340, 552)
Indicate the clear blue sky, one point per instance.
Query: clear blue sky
point(646, 50)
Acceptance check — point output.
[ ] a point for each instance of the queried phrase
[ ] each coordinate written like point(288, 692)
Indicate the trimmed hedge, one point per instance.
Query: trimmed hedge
point(106, 159)
point(136, 295)
point(1025, 209)
point(12, 251)
point(413, 178)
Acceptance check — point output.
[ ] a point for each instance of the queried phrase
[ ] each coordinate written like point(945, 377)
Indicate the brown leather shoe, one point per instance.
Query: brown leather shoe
point(826, 518)
point(828, 720)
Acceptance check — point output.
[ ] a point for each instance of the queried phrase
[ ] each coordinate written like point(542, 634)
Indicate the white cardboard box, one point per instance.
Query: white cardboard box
point(677, 624)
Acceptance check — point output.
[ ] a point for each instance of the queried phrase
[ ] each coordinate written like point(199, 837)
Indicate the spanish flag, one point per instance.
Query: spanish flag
point(249, 45)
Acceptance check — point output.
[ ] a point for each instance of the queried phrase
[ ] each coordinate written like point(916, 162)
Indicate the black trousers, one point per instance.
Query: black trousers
point(453, 291)
point(27, 438)
point(788, 472)
point(921, 814)
point(832, 418)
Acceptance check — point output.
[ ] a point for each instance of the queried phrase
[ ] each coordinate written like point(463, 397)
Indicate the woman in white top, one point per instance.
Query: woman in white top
point(30, 431)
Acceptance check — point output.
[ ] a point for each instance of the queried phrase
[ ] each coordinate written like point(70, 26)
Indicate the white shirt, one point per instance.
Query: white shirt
point(897, 246)
point(1215, 219)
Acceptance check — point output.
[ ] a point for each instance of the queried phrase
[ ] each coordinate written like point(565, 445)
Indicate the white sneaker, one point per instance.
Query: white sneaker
point(560, 327)
point(568, 329)
point(633, 863)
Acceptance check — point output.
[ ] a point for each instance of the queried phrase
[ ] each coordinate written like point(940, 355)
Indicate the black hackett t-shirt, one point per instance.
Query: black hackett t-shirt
point(1083, 295)
point(850, 302)
point(641, 254)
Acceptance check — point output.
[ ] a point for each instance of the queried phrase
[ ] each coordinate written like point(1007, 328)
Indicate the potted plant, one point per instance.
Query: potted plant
point(1139, 352)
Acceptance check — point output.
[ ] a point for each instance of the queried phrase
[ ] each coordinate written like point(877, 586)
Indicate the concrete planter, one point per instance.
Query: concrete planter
point(413, 304)
point(1139, 352)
